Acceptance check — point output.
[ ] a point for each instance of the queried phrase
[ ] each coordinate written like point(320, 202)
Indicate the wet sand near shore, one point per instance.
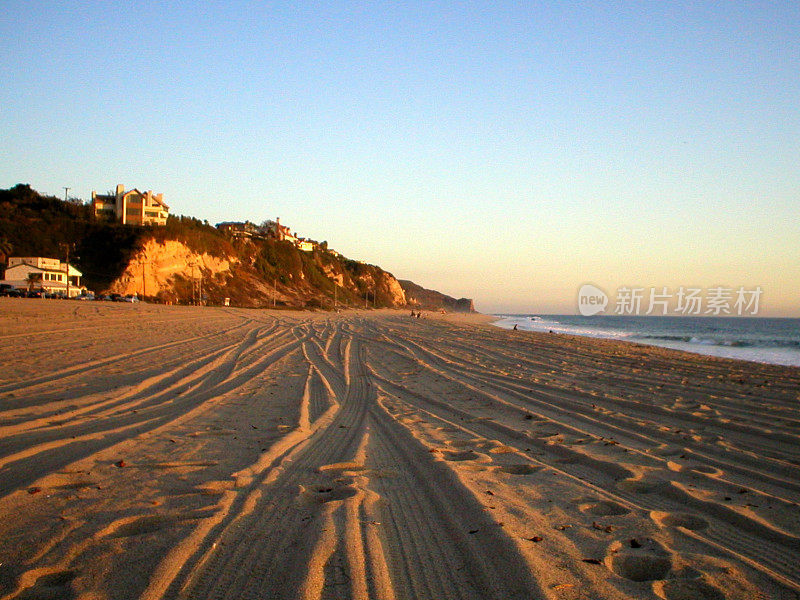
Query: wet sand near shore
point(182, 452)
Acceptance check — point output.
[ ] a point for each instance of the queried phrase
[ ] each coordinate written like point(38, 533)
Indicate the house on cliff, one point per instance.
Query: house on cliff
point(276, 231)
point(132, 207)
point(306, 245)
point(238, 230)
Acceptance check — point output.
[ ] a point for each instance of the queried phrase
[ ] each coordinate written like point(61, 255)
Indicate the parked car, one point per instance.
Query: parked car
point(130, 298)
point(6, 289)
point(116, 297)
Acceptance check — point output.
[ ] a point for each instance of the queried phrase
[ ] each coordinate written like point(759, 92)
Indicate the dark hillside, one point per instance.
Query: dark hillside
point(257, 272)
point(419, 297)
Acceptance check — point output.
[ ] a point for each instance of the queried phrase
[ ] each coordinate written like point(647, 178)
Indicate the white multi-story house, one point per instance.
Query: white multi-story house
point(45, 274)
point(132, 207)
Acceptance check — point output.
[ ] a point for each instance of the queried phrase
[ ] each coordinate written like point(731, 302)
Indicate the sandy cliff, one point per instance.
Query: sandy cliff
point(255, 274)
point(159, 266)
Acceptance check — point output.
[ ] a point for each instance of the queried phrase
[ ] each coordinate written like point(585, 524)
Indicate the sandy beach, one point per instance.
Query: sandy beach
point(181, 452)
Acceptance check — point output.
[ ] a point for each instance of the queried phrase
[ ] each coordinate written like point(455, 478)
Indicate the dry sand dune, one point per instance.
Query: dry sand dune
point(178, 452)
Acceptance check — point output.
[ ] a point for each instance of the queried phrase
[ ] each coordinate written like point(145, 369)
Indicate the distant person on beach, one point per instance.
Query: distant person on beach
point(515, 326)
point(412, 314)
point(419, 314)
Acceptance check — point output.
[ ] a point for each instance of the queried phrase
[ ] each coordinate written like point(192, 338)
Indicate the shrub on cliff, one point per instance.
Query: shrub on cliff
point(278, 260)
point(199, 236)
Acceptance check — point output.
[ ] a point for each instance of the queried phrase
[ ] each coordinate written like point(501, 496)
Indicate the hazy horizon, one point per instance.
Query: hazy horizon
point(502, 152)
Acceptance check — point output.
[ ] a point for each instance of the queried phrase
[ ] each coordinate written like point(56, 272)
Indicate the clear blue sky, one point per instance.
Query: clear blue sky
point(507, 152)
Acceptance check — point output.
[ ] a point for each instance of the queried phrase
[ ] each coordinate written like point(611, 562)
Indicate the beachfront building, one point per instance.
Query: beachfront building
point(276, 231)
point(237, 229)
point(37, 273)
point(306, 245)
point(132, 207)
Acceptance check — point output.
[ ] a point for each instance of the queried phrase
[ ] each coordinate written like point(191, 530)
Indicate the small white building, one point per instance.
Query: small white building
point(45, 274)
point(305, 245)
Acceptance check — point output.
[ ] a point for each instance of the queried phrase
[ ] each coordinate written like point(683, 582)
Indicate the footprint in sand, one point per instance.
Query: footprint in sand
point(687, 589)
point(641, 559)
point(473, 443)
point(603, 508)
point(53, 585)
point(464, 455)
point(141, 525)
point(546, 433)
point(503, 449)
point(329, 494)
point(666, 450)
point(339, 487)
point(686, 520)
point(519, 469)
point(639, 486)
point(706, 579)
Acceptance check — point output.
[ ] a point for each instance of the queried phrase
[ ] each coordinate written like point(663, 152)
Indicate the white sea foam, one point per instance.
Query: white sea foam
point(775, 356)
point(536, 323)
point(760, 351)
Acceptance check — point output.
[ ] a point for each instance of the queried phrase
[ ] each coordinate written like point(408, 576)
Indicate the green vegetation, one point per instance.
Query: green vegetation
point(198, 235)
point(36, 225)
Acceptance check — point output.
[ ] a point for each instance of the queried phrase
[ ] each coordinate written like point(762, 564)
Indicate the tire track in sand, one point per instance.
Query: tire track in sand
point(327, 522)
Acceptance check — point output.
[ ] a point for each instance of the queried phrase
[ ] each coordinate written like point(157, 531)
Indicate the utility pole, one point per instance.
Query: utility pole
point(194, 286)
point(66, 191)
point(67, 247)
point(144, 285)
point(274, 290)
point(335, 296)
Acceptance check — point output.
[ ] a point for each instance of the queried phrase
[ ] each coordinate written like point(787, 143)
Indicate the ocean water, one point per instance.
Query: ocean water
point(775, 341)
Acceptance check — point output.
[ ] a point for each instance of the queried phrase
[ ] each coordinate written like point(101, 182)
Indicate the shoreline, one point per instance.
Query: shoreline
point(171, 452)
point(761, 354)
